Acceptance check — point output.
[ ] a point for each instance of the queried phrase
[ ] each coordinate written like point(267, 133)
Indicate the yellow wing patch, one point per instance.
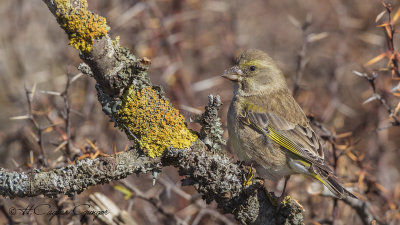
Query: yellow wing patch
point(283, 141)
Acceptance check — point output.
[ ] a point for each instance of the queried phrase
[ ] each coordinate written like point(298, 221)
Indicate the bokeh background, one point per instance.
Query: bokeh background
point(190, 43)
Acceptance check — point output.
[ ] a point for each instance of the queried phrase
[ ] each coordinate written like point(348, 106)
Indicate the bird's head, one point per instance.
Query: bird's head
point(255, 72)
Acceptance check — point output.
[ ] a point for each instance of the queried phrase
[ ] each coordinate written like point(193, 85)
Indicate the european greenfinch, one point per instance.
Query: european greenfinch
point(267, 127)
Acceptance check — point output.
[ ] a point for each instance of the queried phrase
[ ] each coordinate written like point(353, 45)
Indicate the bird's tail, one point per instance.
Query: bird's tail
point(334, 186)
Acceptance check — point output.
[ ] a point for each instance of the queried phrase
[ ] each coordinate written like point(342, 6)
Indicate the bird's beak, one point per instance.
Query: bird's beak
point(233, 74)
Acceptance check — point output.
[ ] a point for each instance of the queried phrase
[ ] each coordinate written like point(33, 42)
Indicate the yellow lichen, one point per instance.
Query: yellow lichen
point(64, 5)
point(153, 121)
point(81, 25)
point(249, 179)
point(286, 200)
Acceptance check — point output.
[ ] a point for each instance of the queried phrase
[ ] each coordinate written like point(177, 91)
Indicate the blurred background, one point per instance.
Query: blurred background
point(190, 43)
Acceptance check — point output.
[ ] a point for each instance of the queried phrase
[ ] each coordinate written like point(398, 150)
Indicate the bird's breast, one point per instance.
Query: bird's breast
point(253, 147)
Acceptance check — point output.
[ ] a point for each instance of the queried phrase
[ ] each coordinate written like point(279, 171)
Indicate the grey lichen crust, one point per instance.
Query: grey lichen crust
point(217, 178)
point(10, 183)
point(74, 179)
point(114, 67)
point(211, 126)
point(109, 105)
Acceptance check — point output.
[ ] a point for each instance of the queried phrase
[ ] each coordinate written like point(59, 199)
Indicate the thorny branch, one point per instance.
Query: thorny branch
point(376, 96)
point(393, 65)
point(389, 34)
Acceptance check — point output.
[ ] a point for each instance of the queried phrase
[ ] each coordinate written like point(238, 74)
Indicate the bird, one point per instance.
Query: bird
point(268, 128)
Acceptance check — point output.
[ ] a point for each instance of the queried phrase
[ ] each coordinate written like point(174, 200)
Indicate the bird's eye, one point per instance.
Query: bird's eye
point(252, 68)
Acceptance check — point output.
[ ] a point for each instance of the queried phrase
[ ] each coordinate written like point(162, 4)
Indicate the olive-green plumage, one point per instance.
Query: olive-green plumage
point(268, 128)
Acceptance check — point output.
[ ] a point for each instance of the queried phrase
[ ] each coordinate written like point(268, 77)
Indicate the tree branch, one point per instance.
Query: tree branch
point(213, 175)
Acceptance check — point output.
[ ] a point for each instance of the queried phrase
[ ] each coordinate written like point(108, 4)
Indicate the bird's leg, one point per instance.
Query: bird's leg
point(284, 186)
point(283, 195)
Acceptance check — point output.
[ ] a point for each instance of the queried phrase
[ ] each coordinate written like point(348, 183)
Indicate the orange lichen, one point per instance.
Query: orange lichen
point(81, 25)
point(153, 120)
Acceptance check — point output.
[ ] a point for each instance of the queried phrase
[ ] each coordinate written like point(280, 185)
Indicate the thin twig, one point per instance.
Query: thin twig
point(66, 116)
point(39, 130)
point(301, 62)
point(376, 96)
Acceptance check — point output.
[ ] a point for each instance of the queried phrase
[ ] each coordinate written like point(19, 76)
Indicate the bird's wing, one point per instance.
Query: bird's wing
point(301, 141)
point(298, 139)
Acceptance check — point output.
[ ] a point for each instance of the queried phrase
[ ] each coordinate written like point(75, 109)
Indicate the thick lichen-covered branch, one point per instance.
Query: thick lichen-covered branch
point(153, 121)
point(213, 175)
point(81, 25)
point(76, 178)
point(113, 66)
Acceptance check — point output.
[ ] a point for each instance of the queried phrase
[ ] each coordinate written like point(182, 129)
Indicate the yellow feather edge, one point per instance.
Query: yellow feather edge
point(284, 141)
